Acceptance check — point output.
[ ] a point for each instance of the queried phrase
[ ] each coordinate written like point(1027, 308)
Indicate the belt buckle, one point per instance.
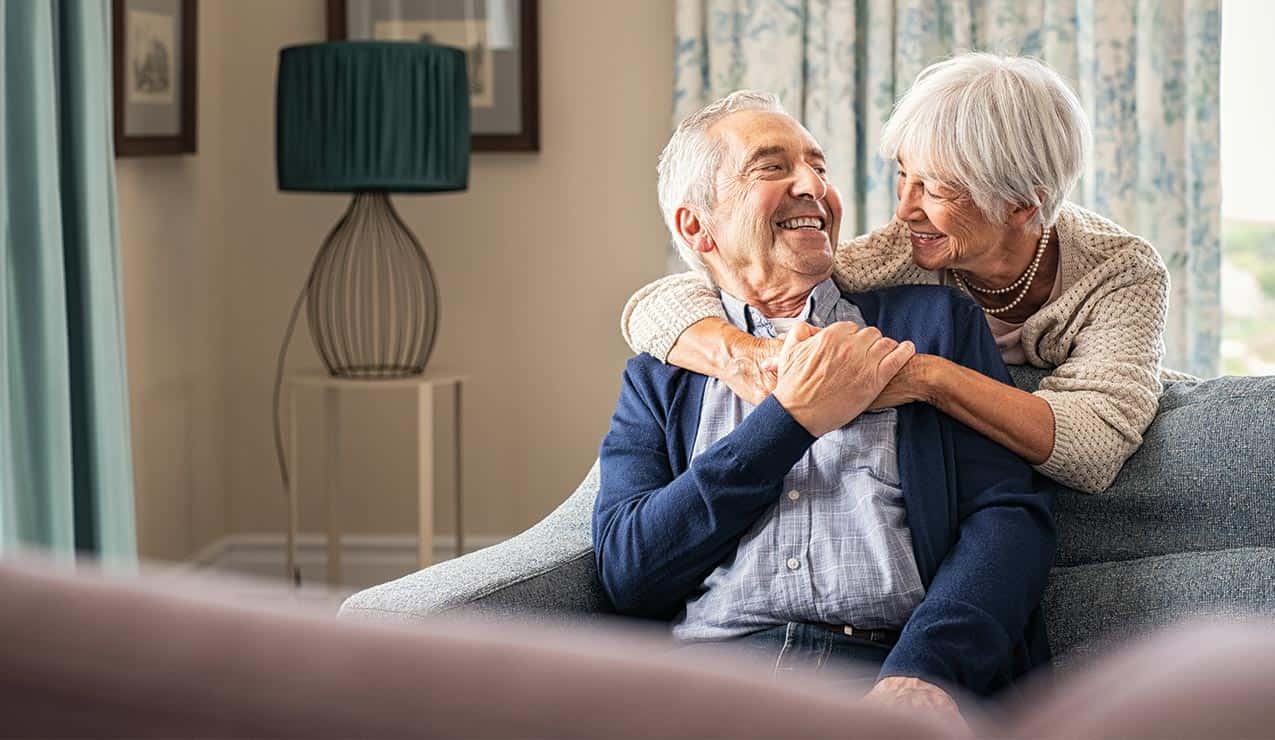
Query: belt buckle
point(849, 630)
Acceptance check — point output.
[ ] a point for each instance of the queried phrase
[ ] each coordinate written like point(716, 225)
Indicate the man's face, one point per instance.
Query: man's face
point(776, 218)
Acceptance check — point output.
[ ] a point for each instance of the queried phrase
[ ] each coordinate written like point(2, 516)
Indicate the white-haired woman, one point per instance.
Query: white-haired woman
point(988, 149)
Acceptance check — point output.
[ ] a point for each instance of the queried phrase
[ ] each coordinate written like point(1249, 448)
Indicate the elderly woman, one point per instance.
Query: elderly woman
point(988, 147)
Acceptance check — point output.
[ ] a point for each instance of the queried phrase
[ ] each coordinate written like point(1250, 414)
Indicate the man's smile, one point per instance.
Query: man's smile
point(803, 222)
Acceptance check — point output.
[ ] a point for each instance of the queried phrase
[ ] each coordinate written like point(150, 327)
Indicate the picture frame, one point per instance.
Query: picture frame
point(155, 57)
point(501, 41)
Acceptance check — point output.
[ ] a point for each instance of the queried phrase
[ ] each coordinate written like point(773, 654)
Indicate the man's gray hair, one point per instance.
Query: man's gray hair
point(688, 165)
point(1006, 129)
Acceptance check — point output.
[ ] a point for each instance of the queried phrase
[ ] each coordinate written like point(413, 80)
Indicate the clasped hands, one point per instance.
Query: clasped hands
point(825, 377)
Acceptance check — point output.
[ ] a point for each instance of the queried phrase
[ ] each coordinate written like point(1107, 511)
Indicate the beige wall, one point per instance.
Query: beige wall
point(172, 243)
point(534, 262)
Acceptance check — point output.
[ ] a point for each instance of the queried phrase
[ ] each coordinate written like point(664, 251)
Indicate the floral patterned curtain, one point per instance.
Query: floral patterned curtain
point(1145, 70)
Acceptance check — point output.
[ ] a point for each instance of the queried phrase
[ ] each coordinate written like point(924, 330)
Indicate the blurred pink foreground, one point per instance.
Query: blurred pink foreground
point(91, 655)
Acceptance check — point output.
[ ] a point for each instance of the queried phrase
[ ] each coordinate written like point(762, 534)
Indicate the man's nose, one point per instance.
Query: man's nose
point(808, 183)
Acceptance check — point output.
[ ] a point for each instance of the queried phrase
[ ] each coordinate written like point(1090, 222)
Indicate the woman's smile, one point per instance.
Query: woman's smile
point(927, 240)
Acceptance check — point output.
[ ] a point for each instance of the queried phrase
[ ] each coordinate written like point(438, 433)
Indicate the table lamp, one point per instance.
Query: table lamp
point(369, 118)
point(372, 118)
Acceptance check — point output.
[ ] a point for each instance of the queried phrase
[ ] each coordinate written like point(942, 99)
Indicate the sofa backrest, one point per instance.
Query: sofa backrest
point(1203, 479)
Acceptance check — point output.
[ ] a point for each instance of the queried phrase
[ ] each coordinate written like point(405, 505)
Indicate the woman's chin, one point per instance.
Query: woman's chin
point(930, 255)
point(930, 260)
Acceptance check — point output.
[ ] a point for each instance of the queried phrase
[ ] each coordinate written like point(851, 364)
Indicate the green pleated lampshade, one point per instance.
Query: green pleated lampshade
point(372, 115)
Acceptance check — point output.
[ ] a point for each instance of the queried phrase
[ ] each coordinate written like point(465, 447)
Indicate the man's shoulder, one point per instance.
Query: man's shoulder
point(912, 304)
point(655, 381)
point(938, 319)
point(644, 365)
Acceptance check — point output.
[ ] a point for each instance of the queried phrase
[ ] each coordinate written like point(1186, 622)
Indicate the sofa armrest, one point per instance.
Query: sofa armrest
point(547, 569)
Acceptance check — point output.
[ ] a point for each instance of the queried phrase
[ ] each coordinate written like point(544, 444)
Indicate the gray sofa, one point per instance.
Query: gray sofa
point(1187, 529)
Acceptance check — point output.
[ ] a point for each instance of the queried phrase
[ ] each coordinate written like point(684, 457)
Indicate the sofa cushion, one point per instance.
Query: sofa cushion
point(548, 569)
point(1091, 608)
point(1204, 478)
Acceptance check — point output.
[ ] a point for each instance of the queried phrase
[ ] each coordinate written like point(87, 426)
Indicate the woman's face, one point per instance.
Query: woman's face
point(946, 228)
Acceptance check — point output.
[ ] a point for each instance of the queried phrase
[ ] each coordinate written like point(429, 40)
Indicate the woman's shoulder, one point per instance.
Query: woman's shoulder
point(1110, 279)
point(888, 240)
point(877, 259)
point(1096, 244)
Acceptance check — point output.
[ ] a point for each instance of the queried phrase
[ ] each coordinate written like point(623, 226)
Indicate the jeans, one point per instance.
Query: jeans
point(796, 650)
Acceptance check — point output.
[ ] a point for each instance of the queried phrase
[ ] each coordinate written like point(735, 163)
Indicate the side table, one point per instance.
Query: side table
point(421, 389)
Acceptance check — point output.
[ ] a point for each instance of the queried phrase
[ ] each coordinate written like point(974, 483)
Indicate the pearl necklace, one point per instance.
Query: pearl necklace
point(1025, 280)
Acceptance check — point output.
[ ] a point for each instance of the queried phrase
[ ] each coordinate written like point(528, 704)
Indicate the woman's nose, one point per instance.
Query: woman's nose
point(909, 202)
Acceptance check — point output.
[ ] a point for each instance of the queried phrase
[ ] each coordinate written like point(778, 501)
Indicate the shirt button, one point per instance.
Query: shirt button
point(793, 563)
point(793, 495)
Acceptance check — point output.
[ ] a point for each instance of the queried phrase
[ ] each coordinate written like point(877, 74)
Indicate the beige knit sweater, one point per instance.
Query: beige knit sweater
point(1103, 336)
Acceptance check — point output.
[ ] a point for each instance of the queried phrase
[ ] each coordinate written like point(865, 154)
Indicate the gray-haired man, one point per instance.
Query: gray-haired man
point(807, 525)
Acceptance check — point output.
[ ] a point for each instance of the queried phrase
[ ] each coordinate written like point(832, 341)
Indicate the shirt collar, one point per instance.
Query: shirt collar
point(820, 310)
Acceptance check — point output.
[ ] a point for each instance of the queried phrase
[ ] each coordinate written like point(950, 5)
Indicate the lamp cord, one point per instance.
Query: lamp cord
point(295, 575)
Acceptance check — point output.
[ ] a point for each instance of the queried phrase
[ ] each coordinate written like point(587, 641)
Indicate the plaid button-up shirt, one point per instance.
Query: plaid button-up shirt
point(835, 548)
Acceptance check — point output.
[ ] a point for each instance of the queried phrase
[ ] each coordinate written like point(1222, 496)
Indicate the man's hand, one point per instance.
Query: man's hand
point(828, 377)
point(915, 694)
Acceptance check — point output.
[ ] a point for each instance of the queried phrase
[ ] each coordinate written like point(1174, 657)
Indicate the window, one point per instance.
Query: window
point(1248, 189)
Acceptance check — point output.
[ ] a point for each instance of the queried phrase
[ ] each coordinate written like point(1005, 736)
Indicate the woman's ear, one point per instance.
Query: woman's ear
point(693, 230)
point(1023, 214)
point(1020, 215)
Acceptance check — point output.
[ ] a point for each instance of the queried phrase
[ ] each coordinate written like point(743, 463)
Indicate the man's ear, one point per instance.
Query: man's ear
point(693, 231)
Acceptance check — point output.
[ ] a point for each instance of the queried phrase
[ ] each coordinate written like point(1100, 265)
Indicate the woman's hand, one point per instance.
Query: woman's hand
point(911, 384)
point(743, 362)
point(752, 368)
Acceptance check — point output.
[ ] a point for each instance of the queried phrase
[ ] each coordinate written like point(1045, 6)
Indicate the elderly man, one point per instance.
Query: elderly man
point(810, 526)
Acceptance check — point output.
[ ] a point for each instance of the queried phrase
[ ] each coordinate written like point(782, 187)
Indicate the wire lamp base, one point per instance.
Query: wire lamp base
point(372, 302)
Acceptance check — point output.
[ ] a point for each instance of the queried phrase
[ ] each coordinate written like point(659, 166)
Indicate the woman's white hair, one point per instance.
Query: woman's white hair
point(688, 165)
point(1006, 129)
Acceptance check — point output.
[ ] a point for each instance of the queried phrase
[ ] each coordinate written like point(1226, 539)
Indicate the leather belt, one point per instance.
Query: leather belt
point(883, 637)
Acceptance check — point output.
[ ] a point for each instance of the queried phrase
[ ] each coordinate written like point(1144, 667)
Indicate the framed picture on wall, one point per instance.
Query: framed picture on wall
point(155, 48)
point(499, 39)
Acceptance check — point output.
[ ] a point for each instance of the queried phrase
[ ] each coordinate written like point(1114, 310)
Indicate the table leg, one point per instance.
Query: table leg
point(425, 473)
point(460, 522)
point(294, 489)
point(332, 480)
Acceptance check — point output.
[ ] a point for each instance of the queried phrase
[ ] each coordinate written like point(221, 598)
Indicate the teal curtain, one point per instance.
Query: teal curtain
point(1145, 70)
point(66, 479)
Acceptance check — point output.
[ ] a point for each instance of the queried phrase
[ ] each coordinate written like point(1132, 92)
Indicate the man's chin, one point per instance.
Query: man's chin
point(807, 247)
point(813, 266)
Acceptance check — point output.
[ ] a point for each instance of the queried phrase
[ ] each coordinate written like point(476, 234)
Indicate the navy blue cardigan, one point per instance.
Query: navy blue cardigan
point(981, 519)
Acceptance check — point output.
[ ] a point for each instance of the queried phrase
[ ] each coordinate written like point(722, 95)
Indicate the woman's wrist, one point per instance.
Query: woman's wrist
point(704, 347)
point(742, 346)
point(728, 345)
point(929, 380)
